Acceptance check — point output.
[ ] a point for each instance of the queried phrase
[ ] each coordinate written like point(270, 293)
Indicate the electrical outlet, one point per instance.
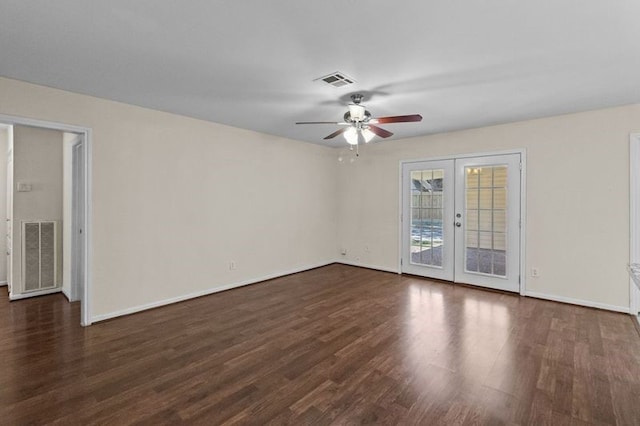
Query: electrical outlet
point(232, 266)
point(535, 272)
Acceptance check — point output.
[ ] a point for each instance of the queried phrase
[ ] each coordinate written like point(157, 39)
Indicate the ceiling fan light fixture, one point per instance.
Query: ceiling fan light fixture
point(356, 112)
point(367, 135)
point(351, 136)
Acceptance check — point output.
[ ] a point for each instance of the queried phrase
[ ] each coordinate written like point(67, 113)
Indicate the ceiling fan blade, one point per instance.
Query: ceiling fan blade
point(380, 131)
point(337, 132)
point(398, 119)
point(340, 123)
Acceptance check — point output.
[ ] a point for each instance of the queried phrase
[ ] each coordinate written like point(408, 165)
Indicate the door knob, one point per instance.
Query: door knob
point(458, 224)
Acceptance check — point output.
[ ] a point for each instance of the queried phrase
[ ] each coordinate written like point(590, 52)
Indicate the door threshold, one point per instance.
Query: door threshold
point(471, 286)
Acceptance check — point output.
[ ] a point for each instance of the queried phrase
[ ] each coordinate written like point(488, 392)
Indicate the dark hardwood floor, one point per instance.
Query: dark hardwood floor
point(335, 345)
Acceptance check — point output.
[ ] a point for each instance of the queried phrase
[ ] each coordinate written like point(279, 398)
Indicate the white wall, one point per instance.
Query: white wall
point(37, 160)
point(3, 202)
point(176, 199)
point(577, 199)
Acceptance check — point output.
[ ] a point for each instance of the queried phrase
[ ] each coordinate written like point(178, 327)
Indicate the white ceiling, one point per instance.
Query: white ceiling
point(250, 64)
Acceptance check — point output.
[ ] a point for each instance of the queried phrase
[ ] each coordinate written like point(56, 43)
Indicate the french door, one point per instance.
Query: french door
point(461, 220)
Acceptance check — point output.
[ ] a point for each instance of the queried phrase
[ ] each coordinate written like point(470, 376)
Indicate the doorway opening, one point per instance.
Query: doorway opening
point(48, 210)
point(462, 219)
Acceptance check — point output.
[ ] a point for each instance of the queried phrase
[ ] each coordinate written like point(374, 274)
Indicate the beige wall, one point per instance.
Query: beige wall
point(577, 198)
point(176, 199)
point(37, 160)
point(3, 202)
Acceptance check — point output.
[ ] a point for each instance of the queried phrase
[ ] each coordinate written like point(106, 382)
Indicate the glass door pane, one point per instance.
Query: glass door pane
point(485, 224)
point(426, 217)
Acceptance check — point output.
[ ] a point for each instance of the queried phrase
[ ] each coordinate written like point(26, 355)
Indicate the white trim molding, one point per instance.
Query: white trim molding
point(634, 218)
point(523, 221)
point(364, 265)
point(67, 295)
point(86, 134)
point(34, 293)
point(551, 297)
point(3, 283)
point(206, 292)
point(579, 302)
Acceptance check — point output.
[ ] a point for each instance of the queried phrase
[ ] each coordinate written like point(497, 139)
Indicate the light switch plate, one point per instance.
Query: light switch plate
point(24, 187)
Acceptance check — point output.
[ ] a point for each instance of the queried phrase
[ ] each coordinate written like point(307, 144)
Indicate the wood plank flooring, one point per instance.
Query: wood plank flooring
point(334, 345)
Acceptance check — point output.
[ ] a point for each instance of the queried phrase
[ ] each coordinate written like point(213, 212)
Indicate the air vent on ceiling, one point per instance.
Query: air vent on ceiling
point(336, 79)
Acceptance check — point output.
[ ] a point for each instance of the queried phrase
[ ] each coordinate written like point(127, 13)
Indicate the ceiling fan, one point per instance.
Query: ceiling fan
point(360, 125)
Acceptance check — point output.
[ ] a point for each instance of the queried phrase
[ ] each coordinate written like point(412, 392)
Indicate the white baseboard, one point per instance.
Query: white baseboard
point(151, 305)
point(3, 283)
point(554, 298)
point(67, 295)
point(34, 293)
point(156, 304)
point(572, 301)
point(364, 265)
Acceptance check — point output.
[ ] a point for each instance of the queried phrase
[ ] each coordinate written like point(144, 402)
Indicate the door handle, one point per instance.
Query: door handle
point(458, 224)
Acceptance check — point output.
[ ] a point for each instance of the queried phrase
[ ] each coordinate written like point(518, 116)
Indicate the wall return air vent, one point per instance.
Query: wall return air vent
point(336, 79)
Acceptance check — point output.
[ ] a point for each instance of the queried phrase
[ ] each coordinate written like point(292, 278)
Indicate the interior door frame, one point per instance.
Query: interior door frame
point(9, 210)
point(86, 137)
point(634, 218)
point(77, 218)
point(523, 203)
